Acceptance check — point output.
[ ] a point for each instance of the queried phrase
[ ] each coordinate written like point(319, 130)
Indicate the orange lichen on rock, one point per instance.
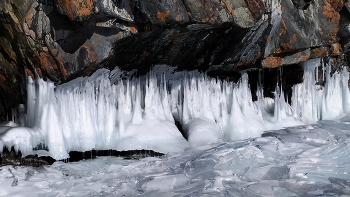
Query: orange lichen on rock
point(39, 72)
point(288, 59)
point(29, 17)
point(76, 8)
point(286, 46)
point(212, 20)
point(132, 29)
point(336, 4)
point(320, 52)
point(29, 73)
point(162, 16)
point(336, 49)
point(330, 13)
point(228, 8)
point(272, 62)
point(300, 58)
point(47, 62)
point(178, 17)
point(63, 71)
point(256, 7)
point(205, 19)
point(284, 28)
point(333, 36)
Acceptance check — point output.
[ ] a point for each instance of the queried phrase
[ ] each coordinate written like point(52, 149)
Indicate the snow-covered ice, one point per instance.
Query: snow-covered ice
point(310, 160)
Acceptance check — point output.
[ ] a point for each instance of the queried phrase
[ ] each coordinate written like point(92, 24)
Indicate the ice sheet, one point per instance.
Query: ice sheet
point(284, 163)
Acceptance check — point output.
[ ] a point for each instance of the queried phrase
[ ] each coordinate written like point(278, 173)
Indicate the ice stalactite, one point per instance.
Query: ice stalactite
point(312, 102)
point(245, 119)
point(105, 112)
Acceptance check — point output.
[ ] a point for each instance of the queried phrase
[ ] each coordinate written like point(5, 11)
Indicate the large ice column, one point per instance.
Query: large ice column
point(42, 120)
point(151, 125)
point(245, 118)
point(306, 97)
point(201, 99)
point(31, 102)
point(312, 102)
point(88, 113)
point(335, 100)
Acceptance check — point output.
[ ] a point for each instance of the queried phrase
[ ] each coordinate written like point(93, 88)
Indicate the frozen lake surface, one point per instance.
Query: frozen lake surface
point(310, 160)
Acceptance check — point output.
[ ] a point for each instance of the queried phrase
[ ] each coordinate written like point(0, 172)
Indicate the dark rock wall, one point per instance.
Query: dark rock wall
point(63, 39)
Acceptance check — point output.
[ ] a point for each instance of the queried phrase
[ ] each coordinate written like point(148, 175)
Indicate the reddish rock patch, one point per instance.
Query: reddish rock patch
point(335, 49)
point(163, 15)
point(228, 8)
point(256, 7)
point(272, 62)
point(330, 13)
point(76, 9)
point(336, 4)
point(284, 28)
point(319, 52)
point(29, 73)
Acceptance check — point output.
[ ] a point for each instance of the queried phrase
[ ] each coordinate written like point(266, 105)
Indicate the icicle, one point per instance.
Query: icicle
point(345, 90)
point(316, 74)
point(280, 69)
point(93, 113)
point(323, 68)
point(137, 116)
point(280, 104)
point(260, 89)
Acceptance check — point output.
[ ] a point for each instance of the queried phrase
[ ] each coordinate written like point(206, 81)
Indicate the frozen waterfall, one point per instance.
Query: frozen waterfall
point(104, 111)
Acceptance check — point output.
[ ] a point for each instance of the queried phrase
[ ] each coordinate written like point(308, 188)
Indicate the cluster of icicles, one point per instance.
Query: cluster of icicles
point(101, 112)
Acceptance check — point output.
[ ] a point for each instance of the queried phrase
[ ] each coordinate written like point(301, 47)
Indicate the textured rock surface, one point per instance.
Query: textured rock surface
point(62, 39)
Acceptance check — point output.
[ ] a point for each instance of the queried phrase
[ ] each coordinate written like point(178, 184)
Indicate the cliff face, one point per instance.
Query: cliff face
point(62, 39)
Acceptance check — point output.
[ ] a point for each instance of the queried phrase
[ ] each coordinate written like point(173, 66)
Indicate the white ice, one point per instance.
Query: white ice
point(110, 111)
point(310, 160)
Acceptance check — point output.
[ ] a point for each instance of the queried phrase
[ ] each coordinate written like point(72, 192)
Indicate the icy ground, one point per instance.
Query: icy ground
point(310, 160)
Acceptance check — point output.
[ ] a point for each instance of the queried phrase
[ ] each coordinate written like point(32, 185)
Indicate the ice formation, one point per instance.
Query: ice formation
point(307, 160)
point(313, 102)
point(104, 111)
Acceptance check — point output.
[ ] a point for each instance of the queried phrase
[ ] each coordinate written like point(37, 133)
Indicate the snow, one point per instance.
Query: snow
point(4, 126)
point(307, 160)
point(202, 131)
point(20, 138)
point(110, 110)
point(8, 124)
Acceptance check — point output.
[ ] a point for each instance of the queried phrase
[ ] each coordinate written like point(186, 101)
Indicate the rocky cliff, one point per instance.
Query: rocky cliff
point(62, 39)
